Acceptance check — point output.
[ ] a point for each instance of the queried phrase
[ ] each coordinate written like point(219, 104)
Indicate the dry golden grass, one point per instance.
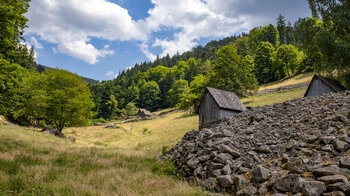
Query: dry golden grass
point(275, 97)
point(300, 78)
point(148, 136)
point(101, 162)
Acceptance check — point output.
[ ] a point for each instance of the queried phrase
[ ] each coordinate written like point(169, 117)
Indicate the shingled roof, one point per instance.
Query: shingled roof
point(332, 84)
point(226, 100)
point(146, 112)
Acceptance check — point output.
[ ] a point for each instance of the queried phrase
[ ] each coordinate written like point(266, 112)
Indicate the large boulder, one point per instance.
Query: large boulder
point(53, 131)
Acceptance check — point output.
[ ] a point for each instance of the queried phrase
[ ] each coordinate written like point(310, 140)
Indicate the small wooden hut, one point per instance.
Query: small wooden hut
point(143, 113)
point(321, 85)
point(217, 105)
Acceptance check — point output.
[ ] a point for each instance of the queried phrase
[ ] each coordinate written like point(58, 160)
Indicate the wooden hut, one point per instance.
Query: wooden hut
point(143, 113)
point(320, 85)
point(217, 105)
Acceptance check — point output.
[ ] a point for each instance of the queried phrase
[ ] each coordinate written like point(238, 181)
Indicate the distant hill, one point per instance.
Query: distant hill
point(41, 68)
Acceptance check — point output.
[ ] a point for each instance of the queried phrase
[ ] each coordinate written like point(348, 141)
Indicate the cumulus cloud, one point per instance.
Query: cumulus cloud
point(34, 42)
point(70, 24)
point(195, 19)
point(111, 74)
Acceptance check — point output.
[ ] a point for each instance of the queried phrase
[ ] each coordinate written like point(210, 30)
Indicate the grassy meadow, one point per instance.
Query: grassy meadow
point(106, 161)
point(297, 79)
point(274, 97)
point(101, 162)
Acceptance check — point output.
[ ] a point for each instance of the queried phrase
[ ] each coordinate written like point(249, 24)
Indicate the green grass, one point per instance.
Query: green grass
point(34, 163)
point(274, 97)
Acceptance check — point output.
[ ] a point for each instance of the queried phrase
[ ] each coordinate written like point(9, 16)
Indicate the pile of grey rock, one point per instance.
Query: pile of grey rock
point(299, 147)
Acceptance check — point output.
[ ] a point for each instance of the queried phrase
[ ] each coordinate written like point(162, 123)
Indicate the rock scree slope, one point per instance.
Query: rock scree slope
point(299, 147)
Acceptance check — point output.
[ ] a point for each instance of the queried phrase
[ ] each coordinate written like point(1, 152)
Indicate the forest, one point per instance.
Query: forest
point(31, 94)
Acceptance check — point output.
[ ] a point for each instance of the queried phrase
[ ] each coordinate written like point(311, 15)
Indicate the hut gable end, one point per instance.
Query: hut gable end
point(209, 109)
point(217, 105)
point(320, 85)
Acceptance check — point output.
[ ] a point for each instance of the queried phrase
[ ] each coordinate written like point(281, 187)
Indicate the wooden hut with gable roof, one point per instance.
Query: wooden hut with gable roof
point(321, 85)
point(143, 113)
point(217, 105)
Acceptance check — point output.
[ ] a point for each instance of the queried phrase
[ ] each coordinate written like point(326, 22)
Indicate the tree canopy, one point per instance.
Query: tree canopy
point(12, 25)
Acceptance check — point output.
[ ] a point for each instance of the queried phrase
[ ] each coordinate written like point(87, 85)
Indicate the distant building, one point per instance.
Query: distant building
point(217, 105)
point(320, 85)
point(143, 113)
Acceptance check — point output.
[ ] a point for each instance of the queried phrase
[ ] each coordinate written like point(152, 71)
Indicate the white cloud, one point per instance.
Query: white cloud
point(111, 74)
point(144, 49)
point(195, 19)
point(71, 24)
point(34, 42)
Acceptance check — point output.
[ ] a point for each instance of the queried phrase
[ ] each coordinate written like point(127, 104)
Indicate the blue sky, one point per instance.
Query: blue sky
point(99, 38)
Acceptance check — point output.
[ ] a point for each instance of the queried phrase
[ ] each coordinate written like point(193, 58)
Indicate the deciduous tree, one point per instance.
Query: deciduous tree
point(69, 99)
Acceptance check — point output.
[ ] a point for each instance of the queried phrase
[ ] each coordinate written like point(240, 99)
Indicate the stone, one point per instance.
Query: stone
point(330, 130)
point(264, 149)
point(225, 181)
point(286, 183)
point(295, 167)
point(346, 139)
point(262, 190)
point(198, 171)
point(54, 132)
point(227, 170)
point(313, 188)
point(213, 166)
point(328, 139)
point(226, 149)
point(204, 158)
point(193, 163)
point(312, 138)
point(223, 157)
point(260, 174)
point(221, 141)
point(238, 182)
point(215, 173)
point(298, 185)
point(285, 158)
point(335, 193)
point(339, 145)
point(325, 171)
point(339, 186)
point(248, 162)
point(292, 145)
point(345, 162)
point(333, 179)
point(210, 183)
point(243, 170)
point(327, 148)
point(247, 191)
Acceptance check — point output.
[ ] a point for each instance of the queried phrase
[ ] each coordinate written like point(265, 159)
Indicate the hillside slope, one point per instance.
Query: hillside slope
point(299, 146)
point(33, 163)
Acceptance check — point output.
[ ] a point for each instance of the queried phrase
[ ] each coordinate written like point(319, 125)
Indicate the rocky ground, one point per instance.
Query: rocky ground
point(299, 147)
